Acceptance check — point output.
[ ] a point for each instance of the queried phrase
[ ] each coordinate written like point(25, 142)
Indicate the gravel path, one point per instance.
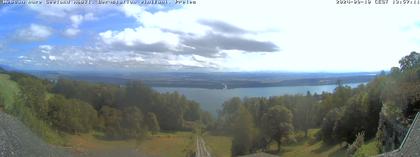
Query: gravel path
point(201, 148)
point(16, 140)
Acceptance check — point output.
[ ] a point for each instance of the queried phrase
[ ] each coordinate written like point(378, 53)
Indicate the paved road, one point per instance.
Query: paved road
point(201, 148)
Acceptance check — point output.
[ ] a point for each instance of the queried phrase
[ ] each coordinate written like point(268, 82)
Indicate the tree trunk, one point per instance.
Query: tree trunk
point(278, 145)
point(306, 133)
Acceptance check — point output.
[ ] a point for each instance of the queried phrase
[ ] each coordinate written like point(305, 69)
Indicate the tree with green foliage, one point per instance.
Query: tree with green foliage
point(354, 118)
point(71, 115)
point(228, 113)
point(192, 111)
point(132, 123)
point(277, 124)
point(328, 125)
point(409, 62)
point(112, 121)
point(304, 112)
point(34, 94)
point(243, 132)
point(152, 123)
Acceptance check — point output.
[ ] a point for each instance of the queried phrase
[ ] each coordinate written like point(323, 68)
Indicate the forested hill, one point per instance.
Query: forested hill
point(380, 110)
point(120, 112)
point(210, 80)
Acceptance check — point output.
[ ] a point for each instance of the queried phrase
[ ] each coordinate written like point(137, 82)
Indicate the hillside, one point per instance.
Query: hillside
point(8, 89)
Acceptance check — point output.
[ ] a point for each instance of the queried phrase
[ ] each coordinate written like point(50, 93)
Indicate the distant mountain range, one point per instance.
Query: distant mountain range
point(211, 80)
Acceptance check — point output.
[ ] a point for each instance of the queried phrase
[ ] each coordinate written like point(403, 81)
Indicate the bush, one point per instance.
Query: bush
point(358, 142)
point(72, 115)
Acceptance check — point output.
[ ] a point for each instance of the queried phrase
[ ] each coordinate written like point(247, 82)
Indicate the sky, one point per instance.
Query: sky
point(210, 35)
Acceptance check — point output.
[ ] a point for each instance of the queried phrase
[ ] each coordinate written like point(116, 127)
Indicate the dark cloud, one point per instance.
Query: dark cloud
point(222, 27)
point(140, 47)
point(208, 45)
point(211, 44)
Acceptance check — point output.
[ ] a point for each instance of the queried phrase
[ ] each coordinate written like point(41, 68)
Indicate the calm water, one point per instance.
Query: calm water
point(212, 99)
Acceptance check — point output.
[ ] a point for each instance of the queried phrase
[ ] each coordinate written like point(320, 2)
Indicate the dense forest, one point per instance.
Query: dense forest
point(345, 115)
point(120, 112)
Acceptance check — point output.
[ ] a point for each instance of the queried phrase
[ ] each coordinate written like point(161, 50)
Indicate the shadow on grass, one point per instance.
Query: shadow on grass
point(338, 153)
point(324, 147)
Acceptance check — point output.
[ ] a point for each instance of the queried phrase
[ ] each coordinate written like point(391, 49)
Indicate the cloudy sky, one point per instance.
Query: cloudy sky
point(211, 35)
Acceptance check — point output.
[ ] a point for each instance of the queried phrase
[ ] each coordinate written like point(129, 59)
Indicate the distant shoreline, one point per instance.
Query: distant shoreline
point(215, 80)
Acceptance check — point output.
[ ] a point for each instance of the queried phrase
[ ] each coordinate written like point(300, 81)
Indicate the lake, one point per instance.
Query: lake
point(212, 99)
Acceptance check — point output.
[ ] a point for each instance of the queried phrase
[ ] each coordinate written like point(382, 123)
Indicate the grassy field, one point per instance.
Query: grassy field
point(310, 147)
point(368, 149)
point(219, 146)
point(160, 145)
point(168, 144)
point(90, 141)
point(8, 89)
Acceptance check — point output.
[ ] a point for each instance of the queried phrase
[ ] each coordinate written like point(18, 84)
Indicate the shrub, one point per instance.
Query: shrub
point(358, 142)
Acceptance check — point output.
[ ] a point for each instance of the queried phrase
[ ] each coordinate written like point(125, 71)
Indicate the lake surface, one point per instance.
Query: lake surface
point(212, 99)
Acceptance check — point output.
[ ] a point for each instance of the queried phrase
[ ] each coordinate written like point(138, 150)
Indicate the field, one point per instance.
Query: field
point(176, 144)
point(168, 144)
point(368, 149)
point(219, 146)
point(310, 147)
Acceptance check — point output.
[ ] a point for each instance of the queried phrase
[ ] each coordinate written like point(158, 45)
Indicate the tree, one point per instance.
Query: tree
point(171, 111)
point(277, 124)
point(34, 93)
point(207, 118)
point(355, 118)
point(132, 123)
point(328, 125)
point(152, 123)
point(243, 132)
point(304, 113)
point(228, 113)
point(192, 112)
point(71, 115)
point(409, 62)
point(112, 121)
point(138, 94)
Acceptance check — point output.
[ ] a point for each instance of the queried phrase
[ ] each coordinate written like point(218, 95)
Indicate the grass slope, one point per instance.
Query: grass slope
point(8, 89)
point(310, 147)
point(368, 149)
point(219, 146)
point(168, 144)
point(175, 144)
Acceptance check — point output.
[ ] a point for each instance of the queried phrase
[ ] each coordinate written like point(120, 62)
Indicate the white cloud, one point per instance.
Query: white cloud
point(53, 58)
point(34, 32)
point(311, 35)
point(76, 20)
point(132, 37)
point(45, 48)
point(71, 32)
